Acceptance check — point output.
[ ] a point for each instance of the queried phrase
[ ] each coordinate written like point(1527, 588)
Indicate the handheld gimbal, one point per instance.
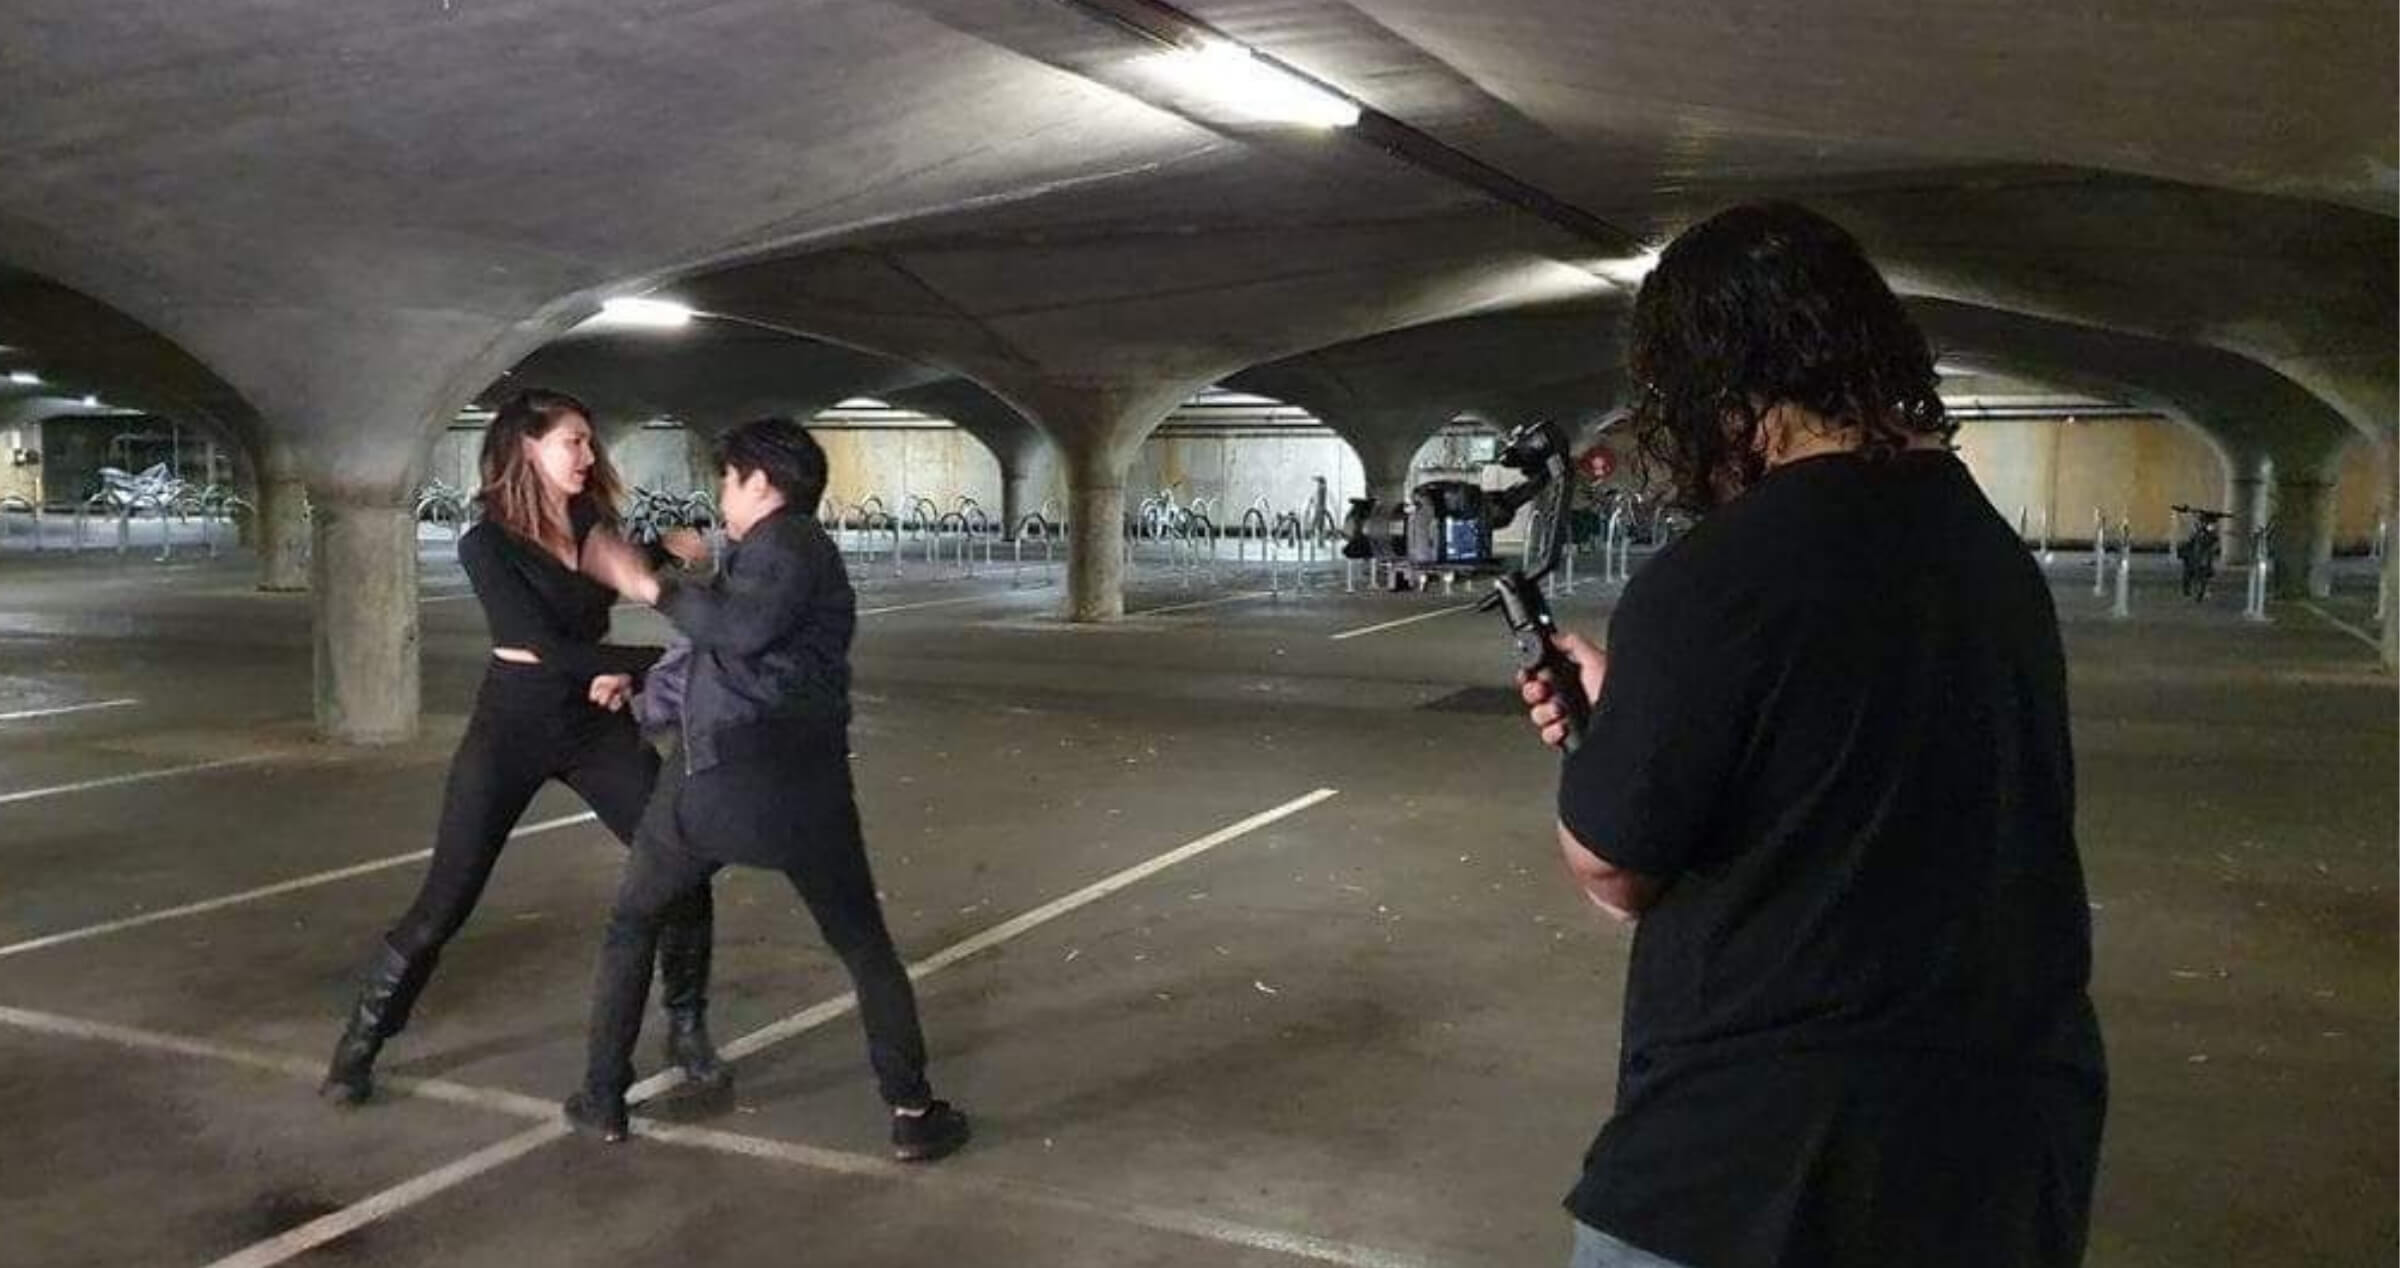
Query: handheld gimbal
point(1538, 451)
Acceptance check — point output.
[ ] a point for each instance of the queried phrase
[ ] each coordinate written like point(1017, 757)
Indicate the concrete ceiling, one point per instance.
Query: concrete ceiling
point(355, 215)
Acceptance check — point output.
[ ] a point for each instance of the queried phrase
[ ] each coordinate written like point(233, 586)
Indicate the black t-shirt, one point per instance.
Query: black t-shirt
point(1856, 1021)
point(534, 602)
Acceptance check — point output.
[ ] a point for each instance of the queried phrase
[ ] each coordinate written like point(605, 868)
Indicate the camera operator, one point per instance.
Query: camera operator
point(1827, 769)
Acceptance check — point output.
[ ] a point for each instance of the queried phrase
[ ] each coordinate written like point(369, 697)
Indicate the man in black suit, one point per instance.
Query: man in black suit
point(763, 778)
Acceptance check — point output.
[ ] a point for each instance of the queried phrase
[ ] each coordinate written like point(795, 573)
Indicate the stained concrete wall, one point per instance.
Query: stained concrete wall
point(896, 464)
point(25, 481)
point(652, 458)
point(2131, 466)
point(1236, 471)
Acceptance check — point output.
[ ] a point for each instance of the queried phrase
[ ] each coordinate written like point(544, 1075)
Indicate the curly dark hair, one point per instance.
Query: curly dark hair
point(1755, 307)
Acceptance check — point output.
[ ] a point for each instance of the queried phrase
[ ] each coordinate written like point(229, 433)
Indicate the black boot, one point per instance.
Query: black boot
point(385, 997)
point(683, 955)
point(598, 1114)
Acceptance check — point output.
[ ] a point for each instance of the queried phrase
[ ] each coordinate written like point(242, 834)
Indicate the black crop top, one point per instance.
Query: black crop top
point(532, 601)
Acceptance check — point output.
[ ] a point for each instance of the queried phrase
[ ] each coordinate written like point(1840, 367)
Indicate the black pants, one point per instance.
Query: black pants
point(672, 861)
point(529, 727)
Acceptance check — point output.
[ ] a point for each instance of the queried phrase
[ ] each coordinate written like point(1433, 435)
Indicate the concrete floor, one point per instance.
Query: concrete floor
point(1375, 1031)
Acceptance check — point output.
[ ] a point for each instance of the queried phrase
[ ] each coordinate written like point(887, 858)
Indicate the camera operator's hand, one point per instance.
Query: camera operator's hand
point(1538, 688)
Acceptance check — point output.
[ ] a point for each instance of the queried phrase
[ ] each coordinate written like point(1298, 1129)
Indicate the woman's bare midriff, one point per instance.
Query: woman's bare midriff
point(515, 656)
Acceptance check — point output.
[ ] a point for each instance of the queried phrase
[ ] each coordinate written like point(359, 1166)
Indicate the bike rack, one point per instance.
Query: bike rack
point(1038, 527)
point(1256, 523)
point(1616, 554)
point(2100, 551)
point(1286, 528)
point(14, 503)
point(2122, 610)
point(2261, 571)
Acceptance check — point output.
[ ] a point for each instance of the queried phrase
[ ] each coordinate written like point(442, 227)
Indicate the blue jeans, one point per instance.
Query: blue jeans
point(1595, 1249)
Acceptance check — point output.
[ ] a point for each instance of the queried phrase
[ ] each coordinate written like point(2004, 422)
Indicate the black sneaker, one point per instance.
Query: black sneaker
point(936, 1133)
point(598, 1116)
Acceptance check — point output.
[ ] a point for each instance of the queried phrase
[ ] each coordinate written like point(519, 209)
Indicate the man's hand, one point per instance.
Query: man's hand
point(612, 691)
point(613, 562)
point(1539, 690)
point(688, 547)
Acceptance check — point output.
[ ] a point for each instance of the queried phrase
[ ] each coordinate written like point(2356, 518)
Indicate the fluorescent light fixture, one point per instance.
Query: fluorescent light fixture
point(1629, 271)
point(634, 313)
point(24, 378)
point(91, 402)
point(860, 402)
point(1249, 88)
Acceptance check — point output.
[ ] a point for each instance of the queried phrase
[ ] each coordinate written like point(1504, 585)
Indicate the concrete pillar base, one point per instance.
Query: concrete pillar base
point(1015, 488)
point(282, 536)
point(1096, 547)
point(363, 576)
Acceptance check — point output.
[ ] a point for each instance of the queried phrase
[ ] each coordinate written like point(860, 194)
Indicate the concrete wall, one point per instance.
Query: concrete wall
point(2128, 467)
point(1236, 471)
point(16, 481)
point(654, 458)
point(2131, 466)
point(895, 464)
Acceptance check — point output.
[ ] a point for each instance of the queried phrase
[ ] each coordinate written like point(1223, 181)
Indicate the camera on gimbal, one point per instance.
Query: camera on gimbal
point(1448, 526)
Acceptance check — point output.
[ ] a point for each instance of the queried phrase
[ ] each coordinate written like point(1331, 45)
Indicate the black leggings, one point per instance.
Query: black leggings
point(833, 879)
point(529, 727)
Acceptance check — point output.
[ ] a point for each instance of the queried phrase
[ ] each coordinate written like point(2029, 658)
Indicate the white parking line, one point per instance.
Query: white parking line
point(391, 1201)
point(400, 1197)
point(264, 891)
point(929, 603)
point(1393, 625)
point(137, 777)
point(818, 1014)
point(2345, 627)
point(27, 715)
point(790, 1153)
point(1204, 603)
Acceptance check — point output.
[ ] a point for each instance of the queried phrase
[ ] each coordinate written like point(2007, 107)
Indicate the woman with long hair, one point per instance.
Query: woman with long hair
point(552, 706)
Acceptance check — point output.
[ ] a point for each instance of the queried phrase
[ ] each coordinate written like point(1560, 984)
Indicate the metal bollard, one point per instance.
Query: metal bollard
point(2256, 609)
point(2123, 608)
point(2049, 556)
point(2100, 551)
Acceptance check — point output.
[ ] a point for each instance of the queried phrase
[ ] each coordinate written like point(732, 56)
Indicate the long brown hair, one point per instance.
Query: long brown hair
point(512, 488)
point(1761, 305)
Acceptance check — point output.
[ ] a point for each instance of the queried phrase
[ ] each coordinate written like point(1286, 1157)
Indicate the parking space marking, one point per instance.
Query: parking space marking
point(1393, 625)
point(929, 603)
point(391, 1201)
point(1204, 603)
point(60, 711)
point(265, 891)
point(2345, 627)
point(818, 1014)
point(137, 777)
point(547, 1128)
point(409, 1193)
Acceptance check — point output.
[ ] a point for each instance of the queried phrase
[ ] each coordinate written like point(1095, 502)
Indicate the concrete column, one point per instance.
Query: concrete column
point(1095, 427)
point(283, 534)
point(2245, 495)
point(1096, 538)
point(364, 579)
point(2300, 543)
point(1016, 488)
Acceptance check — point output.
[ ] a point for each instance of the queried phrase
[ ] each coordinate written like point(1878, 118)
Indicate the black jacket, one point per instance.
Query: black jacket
point(770, 634)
